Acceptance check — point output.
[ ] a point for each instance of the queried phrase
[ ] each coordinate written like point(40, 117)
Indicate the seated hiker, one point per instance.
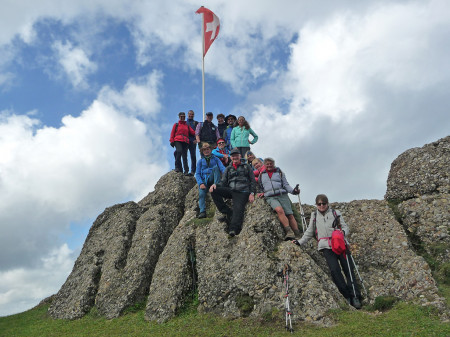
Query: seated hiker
point(230, 120)
point(222, 152)
point(208, 173)
point(240, 136)
point(321, 225)
point(259, 167)
point(238, 184)
point(179, 138)
point(276, 188)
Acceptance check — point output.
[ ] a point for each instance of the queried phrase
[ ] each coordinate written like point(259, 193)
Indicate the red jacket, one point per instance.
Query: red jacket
point(181, 133)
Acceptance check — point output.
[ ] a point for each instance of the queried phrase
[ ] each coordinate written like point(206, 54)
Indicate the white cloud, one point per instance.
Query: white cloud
point(75, 63)
point(50, 177)
point(21, 289)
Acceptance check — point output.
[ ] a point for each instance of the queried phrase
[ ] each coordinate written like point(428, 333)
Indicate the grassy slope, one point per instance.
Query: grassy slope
point(403, 320)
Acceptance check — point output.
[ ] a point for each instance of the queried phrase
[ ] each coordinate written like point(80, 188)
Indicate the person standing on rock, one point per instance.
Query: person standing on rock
point(276, 188)
point(179, 138)
point(192, 142)
point(207, 132)
point(238, 183)
point(240, 136)
point(209, 169)
point(322, 224)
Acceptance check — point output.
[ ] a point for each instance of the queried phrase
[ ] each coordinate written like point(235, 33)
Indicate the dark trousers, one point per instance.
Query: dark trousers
point(335, 263)
point(243, 151)
point(193, 153)
point(240, 199)
point(181, 151)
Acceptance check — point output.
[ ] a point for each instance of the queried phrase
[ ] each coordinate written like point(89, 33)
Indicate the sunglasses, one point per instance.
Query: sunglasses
point(221, 143)
point(321, 203)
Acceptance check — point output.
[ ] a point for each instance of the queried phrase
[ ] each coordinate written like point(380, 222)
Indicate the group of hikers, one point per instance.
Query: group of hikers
point(228, 169)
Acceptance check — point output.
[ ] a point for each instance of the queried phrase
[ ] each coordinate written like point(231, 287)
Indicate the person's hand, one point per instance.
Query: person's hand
point(251, 198)
point(202, 186)
point(296, 190)
point(296, 242)
point(172, 144)
point(260, 195)
point(212, 188)
point(195, 141)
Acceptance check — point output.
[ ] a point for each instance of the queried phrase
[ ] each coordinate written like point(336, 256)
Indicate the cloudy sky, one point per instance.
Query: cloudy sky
point(89, 90)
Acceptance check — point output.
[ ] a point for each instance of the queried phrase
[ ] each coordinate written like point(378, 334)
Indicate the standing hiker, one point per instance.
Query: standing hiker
point(207, 132)
point(240, 136)
point(322, 224)
point(179, 138)
point(238, 184)
point(230, 120)
point(192, 141)
point(276, 188)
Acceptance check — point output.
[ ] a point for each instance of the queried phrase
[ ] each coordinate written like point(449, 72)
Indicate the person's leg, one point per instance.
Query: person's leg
point(344, 265)
point(216, 175)
point(202, 199)
point(193, 154)
point(336, 274)
point(185, 147)
point(240, 199)
point(217, 195)
point(178, 152)
point(243, 150)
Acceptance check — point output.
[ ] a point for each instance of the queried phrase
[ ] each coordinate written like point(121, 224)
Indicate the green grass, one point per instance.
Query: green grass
point(402, 320)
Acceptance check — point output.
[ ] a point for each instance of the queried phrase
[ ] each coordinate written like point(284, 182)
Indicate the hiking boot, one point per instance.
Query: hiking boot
point(356, 303)
point(186, 173)
point(297, 233)
point(231, 233)
point(289, 234)
point(202, 215)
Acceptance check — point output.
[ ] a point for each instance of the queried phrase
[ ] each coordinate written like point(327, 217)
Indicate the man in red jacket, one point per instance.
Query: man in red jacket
point(179, 138)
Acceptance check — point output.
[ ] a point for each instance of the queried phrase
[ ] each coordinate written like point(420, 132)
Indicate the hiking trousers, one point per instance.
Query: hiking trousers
point(337, 263)
point(193, 153)
point(240, 199)
point(181, 149)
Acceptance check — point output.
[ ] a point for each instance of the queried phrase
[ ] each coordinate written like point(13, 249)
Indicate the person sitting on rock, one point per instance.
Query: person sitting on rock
point(237, 183)
point(209, 169)
point(222, 152)
point(276, 188)
point(258, 167)
point(322, 223)
point(179, 138)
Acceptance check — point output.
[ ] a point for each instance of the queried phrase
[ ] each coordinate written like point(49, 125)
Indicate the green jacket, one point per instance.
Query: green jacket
point(239, 137)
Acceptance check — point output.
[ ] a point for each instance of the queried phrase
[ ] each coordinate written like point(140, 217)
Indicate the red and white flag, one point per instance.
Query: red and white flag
point(211, 26)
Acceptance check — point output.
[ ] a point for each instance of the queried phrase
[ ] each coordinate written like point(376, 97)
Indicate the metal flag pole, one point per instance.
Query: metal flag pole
point(203, 64)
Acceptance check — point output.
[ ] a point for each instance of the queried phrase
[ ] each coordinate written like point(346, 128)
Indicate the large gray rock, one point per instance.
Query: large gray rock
point(420, 171)
point(116, 263)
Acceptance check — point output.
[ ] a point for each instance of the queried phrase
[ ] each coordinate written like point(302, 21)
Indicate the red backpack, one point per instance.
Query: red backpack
point(336, 240)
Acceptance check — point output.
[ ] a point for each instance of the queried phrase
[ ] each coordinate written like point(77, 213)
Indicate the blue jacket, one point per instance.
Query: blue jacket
point(204, 170)
point(227, 136)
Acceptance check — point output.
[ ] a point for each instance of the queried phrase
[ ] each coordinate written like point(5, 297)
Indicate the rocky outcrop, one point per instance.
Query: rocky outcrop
point(418, 187)
point(420, 171)
point(145, 251)
point(116, 264)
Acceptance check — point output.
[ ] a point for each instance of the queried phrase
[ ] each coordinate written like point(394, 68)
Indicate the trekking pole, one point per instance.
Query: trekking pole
point(356, 267)
point(284, 274)
point(302, 213)
point(351, 277)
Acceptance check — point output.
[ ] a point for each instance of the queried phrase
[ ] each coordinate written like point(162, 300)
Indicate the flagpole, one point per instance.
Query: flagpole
point(203, 64)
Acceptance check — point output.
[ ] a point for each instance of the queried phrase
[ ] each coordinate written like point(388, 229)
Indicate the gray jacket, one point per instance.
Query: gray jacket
point(276, 185)
point(241, 179)
point(324, 226)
